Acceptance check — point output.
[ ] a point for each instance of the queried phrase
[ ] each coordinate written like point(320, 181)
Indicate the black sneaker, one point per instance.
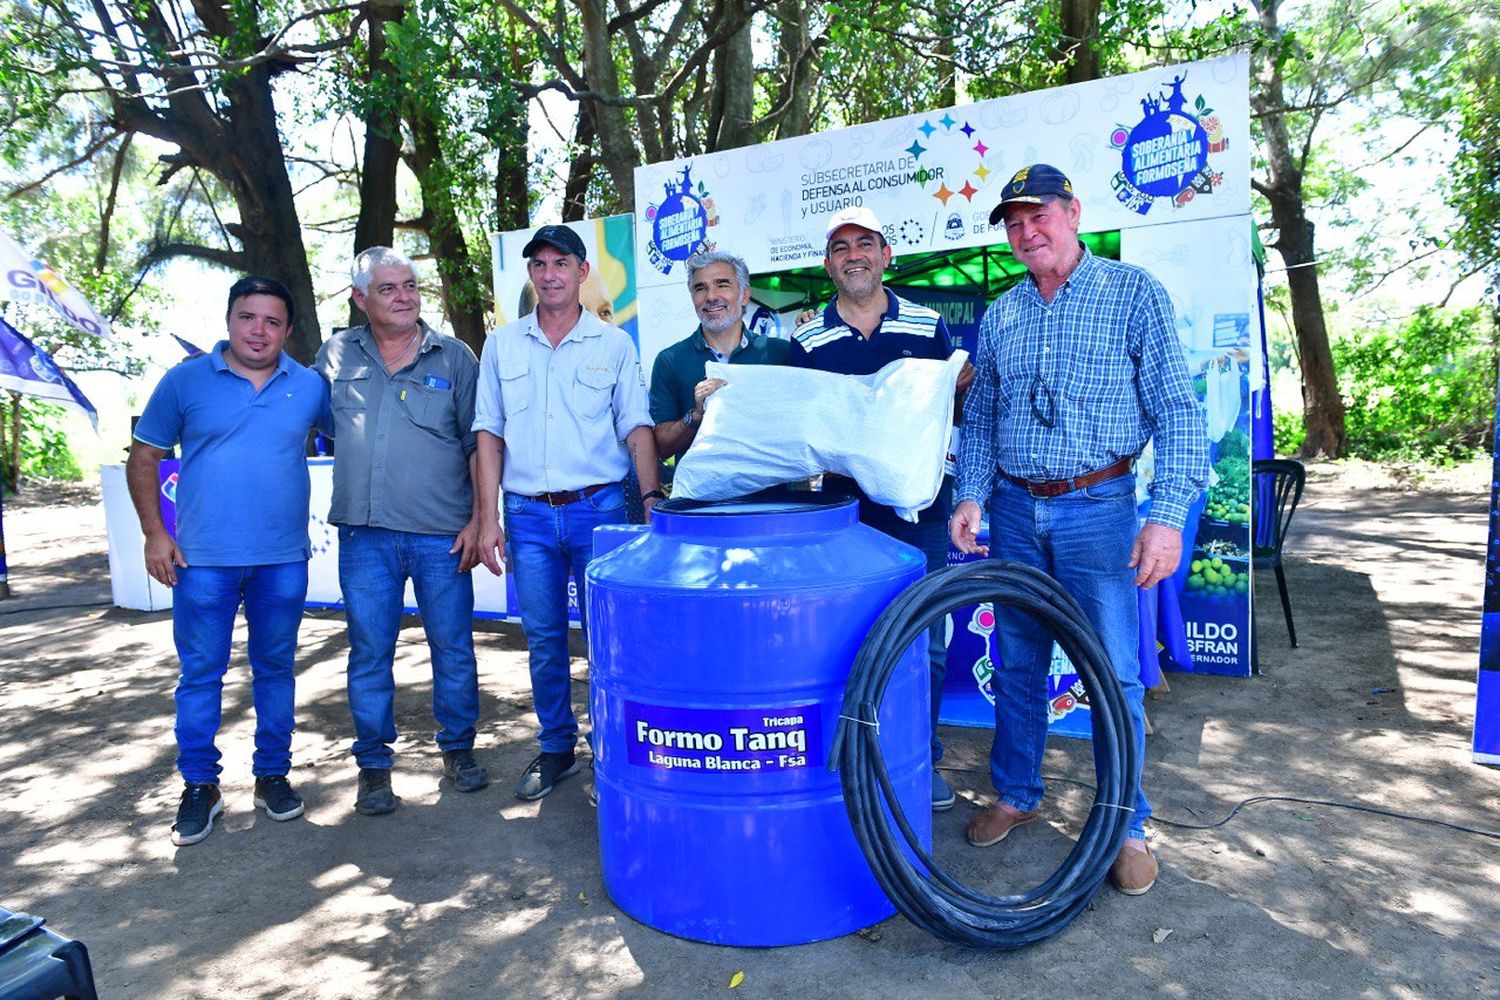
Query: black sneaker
point(943, 795)
point(465, 771)
point(195, 814)
point(544, 772)
point(274, 794)
point(375, 795)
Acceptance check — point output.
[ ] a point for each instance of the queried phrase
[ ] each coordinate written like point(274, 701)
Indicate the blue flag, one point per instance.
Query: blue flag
point(27, 369)
point(192, 349)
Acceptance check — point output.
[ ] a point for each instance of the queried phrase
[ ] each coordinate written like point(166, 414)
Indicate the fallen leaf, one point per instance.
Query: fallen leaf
point(736, 979)
point(1162, 933)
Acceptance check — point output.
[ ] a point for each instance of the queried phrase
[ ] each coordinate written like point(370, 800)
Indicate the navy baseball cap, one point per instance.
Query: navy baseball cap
point(1033, 185)
point(560, 238)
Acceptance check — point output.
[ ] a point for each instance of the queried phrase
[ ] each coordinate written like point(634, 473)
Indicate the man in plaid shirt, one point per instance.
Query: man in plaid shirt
point(1078, 367)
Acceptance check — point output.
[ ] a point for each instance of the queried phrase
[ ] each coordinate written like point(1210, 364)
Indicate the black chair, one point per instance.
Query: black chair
point(1278, 487)
point(37, 964)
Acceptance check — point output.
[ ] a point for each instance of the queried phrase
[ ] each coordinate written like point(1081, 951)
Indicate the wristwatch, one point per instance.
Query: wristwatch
point(653, 495)
point(687, 421)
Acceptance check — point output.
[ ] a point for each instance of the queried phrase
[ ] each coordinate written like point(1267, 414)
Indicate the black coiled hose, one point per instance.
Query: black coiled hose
point(923, 892)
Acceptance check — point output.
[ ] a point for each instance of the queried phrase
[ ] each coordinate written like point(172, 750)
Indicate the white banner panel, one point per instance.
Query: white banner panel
point(1165, 145)
point(1207, 269)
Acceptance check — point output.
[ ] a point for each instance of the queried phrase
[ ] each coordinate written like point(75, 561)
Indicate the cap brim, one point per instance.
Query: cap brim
point(537, 242)
point(998, 212)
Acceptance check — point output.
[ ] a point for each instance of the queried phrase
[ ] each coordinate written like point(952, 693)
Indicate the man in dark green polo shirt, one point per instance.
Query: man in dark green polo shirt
point(720, 283)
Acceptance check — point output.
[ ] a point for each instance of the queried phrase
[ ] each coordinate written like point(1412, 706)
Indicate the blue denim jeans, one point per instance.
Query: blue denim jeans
point(374, 565)
point(546, 543)
point(204, 604)
point(1083, 539)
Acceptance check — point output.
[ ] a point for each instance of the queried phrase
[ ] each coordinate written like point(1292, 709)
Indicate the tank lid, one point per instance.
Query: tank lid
point(775, 511)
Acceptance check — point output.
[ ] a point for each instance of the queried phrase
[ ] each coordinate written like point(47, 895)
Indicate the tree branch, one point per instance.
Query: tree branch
point(234, 260)
point(81, 158)
point(105, 217)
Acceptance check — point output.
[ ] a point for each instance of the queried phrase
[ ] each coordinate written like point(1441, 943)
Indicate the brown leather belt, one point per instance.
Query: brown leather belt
point(565, 497)
point(1057, 487)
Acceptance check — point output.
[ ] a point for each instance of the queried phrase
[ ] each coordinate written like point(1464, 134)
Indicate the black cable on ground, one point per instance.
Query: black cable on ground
point(1255, 800)
point(920, 889)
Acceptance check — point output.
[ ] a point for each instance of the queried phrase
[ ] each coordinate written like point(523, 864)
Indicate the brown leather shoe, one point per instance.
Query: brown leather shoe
point(995, 823)
point(1134, 872)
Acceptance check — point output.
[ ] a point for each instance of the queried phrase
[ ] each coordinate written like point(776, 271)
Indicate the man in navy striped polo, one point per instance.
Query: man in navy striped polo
point(863, 329)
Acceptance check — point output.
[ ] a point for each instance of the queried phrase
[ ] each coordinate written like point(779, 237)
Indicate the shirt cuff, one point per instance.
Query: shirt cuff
point(1171, 510)
point(980, 494)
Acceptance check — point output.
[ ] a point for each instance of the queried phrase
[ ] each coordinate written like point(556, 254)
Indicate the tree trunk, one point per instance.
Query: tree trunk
point(13, 458)
point(376, 226)
point(242, 148)
point(733, 88)
point(616, 146)
point(1079, 45)
point(254, 167)
point(463, 290)
point(949, 18)
point(1322, 406)
point(512, 190)
point(799, 71)
point(581, 168)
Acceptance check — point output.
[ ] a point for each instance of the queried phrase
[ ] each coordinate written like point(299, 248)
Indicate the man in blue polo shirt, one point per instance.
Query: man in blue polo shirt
point(863, 329)
point(241, 414)
point(720, 283)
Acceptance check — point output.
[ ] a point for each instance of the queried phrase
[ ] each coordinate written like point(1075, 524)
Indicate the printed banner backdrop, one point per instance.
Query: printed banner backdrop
point(27, 279)
point(1161, 156)
point(609, 290)
point(1208, 269)
point(1487, 702)
point(1163, 146)
point(131, 587)
point(961, 312)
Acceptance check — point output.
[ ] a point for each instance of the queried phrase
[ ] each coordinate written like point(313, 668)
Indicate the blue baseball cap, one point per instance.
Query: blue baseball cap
point(560, 238)
point(1034, 185)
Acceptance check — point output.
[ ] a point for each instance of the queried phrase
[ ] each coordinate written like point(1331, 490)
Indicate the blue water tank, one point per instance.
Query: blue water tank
point(719, 644)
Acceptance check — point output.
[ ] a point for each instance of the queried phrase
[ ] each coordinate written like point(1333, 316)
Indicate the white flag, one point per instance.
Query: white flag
point(23, 278)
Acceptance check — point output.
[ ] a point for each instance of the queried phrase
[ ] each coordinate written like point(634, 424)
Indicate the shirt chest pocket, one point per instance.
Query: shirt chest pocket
point(353, 389)
point(594, 390)
point(430, 409)
point(515, 386)
point(1098, 368)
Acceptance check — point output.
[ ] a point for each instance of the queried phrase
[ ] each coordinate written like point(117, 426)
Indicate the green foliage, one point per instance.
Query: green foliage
point(1289, 431)
point(1476, 169)
point(44, 445)
point(1424, 390)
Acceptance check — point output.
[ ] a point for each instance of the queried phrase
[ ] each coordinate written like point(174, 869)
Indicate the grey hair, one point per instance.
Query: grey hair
point(703, 258)
point(371, 258)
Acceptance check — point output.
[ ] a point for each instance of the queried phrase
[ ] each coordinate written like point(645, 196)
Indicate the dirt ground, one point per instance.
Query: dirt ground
point(484, 895)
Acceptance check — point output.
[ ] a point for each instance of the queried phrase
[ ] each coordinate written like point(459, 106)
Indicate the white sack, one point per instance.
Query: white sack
point(773, 424)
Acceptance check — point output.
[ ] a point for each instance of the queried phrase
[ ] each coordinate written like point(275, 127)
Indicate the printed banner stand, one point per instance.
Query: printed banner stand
point(1160, 162)
point(1487, 698)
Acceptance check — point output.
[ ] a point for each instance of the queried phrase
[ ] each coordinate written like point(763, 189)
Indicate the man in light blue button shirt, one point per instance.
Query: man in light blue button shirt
point(561, 418)
point(1079, 367)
